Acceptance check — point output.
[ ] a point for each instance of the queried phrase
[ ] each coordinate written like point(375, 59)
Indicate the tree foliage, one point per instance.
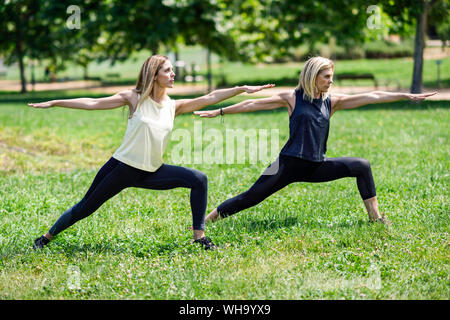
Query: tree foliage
point(246, 30)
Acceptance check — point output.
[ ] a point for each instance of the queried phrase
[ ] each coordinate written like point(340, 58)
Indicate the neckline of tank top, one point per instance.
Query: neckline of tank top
point(160, 105)
point(315, 100)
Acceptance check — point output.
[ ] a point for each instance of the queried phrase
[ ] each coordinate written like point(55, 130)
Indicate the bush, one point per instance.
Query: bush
point(381, 49)
point(386, 49)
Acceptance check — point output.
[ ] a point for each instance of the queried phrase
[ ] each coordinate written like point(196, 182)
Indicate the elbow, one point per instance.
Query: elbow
point(92, 106)
point(374, 96)
point(249, 105)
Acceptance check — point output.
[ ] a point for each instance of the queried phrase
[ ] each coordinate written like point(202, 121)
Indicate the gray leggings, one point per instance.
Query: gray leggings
point(115, 176)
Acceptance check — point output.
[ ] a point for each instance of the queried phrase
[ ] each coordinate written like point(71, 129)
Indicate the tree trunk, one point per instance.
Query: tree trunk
point(19, 52)
point(177, 67)
point(23, 81)
point(86, 71)
point(419, 46)
point(209, 72)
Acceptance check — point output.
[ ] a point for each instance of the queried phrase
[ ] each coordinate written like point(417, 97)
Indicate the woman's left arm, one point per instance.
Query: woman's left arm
point(344, 101)
point(190, 105)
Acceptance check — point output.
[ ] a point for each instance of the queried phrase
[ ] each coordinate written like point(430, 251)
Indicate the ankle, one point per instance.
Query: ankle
point(48, 236)
point(371, 205)
point(213, 216)
point(373, 216)
point(198, 234)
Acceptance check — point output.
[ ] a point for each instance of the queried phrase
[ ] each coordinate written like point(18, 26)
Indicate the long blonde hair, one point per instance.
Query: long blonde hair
point(308, 76)
point(146, 81)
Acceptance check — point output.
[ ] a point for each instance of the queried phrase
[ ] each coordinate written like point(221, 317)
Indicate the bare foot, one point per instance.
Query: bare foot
point(382, 220)
point(213, 216)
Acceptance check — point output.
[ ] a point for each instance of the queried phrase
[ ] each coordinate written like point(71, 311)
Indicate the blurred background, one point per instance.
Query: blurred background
point(101, 45)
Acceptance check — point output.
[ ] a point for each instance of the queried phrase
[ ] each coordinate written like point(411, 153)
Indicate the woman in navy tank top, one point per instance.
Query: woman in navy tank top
point(302, 159)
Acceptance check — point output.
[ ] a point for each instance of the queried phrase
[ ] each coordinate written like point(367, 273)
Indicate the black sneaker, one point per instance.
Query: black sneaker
point(40, 242)
point(206, 243)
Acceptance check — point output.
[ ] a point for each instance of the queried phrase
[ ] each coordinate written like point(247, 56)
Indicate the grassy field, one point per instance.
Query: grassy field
point(308, 241)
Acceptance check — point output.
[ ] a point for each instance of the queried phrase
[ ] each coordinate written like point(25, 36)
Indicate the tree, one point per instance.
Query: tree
point(134, 26)
point(198, 22)
point(410, 12)
point(79, 40)
point(37, 29)
point(150, 24)
point(267, 29)
point(25, 33)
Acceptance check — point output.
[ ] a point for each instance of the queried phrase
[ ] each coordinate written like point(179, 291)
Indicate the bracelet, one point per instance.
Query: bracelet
point(221, 113)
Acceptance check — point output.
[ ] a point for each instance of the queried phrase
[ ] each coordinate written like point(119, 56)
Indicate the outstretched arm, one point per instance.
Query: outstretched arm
point(118, 100)
point(273, 102)
point(189, 105)
point(345, 101)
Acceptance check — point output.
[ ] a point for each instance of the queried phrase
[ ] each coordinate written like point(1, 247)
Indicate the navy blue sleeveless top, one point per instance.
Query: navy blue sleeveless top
point(309, 124)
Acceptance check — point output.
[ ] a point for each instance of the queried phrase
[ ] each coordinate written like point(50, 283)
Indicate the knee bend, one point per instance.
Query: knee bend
point(200, 180)
point(361, 165)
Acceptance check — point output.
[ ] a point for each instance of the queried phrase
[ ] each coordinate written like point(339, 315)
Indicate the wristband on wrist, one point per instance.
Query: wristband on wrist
point(221, 113)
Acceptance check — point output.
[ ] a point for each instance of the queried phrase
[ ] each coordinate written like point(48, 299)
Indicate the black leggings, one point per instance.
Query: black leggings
point(115, 176)
point(286, 170)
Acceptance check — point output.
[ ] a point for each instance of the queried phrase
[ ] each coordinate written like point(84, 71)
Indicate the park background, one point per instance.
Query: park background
point(308, 241)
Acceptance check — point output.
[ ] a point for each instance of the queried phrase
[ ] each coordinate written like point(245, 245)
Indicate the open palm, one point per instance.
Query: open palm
point(208, 113)
point(420, 96)
point(253, 89)
point(41, 105)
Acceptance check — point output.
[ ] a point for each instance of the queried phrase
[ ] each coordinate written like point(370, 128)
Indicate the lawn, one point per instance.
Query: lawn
point(308, 241)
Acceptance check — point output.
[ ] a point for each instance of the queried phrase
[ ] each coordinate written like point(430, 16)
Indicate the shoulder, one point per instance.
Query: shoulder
point(128, 94)
point(335, 98)
point(288, 96)
point(130, 98)
point(169, 101)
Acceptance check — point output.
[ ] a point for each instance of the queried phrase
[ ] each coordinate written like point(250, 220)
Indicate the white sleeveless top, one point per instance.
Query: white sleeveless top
point(147, 135)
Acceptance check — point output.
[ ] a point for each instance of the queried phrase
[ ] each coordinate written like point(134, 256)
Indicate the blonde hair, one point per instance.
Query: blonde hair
point(308, 76)
point(146, 81)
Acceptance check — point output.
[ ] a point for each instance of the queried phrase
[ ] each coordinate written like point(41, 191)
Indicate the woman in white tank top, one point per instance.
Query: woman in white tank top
point(138, 162)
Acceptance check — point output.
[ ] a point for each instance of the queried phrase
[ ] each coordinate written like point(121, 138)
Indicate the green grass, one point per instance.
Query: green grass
point(308, 241)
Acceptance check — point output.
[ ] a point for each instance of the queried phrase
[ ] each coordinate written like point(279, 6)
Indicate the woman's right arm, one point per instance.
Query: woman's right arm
point(118, 100)
point(274, 102)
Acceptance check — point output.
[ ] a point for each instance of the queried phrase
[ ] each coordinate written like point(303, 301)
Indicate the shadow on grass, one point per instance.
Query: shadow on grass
point(267, 224)
point(171, 247)
point(121, 246)
point(73, 249)
point(270, 225)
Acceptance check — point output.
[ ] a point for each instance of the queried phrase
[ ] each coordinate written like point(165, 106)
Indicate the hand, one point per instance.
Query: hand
point(208, 113)
point(47, 104)
point(253, 89)
point(420, 96)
